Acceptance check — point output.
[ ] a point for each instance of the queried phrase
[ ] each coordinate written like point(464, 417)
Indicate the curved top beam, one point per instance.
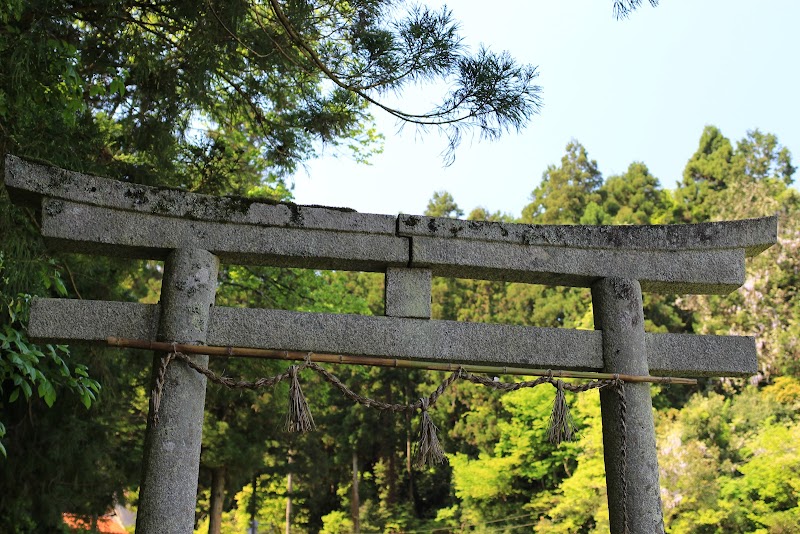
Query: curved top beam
point(84, 213)
point(752, 235)
point(29, 182)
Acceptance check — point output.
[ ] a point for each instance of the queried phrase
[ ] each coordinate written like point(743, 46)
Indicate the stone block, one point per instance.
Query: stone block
point(29, 182)
point(753, 235)
point(662, 271)
point(408, 293)
point(76, 227)
point(415, 339)
point(692, 355)
point(71, 320)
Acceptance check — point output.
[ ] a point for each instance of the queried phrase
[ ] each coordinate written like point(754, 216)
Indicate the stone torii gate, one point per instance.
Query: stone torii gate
point(193, 233)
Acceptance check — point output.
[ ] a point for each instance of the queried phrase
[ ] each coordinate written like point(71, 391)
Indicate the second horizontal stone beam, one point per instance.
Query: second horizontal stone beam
point(67, 320)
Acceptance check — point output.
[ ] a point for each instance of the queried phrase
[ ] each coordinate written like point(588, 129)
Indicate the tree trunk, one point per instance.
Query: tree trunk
point(355, 504)
point(217, 499)
point(391, 475)
point(289, 487)
point(254, 507)
point(389, 451)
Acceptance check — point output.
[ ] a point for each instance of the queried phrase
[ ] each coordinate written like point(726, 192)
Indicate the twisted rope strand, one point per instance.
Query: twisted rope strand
point(366, 401)
point(158, 386)
point(623, 452)
point(298, 418)
point(433, 397)
point(428, 450)
point(231, 383)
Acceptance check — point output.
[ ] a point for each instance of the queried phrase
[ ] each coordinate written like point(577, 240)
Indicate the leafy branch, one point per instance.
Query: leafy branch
point(490, 91)
point(623, 8)
point(28, 370)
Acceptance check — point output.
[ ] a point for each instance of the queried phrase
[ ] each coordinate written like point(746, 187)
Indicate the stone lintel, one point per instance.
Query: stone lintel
point(415, 339)
point(661, 271)
point(752, 235)
point(141, 221)
point(69, 321)
point(28, 182)
point(77, 227)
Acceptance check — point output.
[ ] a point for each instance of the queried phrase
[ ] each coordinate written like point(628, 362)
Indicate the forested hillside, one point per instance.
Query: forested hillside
point(222, 98)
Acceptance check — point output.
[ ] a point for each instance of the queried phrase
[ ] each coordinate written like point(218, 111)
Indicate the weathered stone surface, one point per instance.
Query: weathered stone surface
point(664, 271)
point(617, 305)
point(28, 182)
point(70, 321)
point(76, 227)
point(73, 320)
point(395, 337)
point(753, 235)
point(390, 337)
point(171, 461)
point(96, 215)
point(693, 355)
point(408, 293)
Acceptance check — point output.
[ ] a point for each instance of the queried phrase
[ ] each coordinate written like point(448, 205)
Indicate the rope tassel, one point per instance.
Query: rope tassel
point(562, 427)
point(299, 418)
point(429, 450)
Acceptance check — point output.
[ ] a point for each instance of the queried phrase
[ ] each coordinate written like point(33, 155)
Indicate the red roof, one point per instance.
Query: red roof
point(106, 524)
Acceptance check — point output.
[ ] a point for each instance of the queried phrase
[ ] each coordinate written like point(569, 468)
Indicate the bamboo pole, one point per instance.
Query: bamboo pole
point(271, 354)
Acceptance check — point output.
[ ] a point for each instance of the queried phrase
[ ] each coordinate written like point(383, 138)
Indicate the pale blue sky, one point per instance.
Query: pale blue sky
point(640, 89)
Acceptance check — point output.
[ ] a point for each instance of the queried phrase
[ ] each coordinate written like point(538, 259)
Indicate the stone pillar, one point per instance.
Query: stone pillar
point(408, 293)
point(171, 463)
point(618, 313)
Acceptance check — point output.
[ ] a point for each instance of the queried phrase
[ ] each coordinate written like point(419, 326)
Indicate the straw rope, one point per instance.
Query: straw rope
point(428, 449)
point(300, 419)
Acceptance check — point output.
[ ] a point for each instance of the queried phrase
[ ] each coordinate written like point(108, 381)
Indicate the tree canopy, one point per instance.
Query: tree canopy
point(214, 96)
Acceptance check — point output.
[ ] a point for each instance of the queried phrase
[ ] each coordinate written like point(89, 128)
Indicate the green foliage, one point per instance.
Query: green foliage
point(565, 191)
point(722, 182)
point(28, 370)
point(223, 96)
point(195, 95)
point(765, 497)
point(762, 158)
point(730, 465)
point(270, 507)
point(635, 197)
point(522, 462)
point(336, 522)
point(579, 503)
point(442, 204)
